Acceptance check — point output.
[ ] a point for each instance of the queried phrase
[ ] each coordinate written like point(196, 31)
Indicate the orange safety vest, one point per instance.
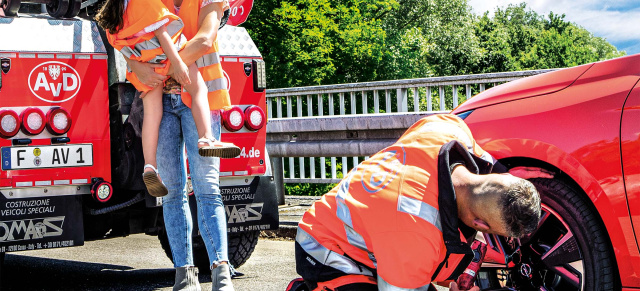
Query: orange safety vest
point(395, 210)
point(209, 64)
point(145, 48)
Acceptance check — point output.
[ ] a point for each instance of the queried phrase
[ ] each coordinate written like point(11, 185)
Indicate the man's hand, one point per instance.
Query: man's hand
point(454, 287)
point(531, 172)
point(146, 72)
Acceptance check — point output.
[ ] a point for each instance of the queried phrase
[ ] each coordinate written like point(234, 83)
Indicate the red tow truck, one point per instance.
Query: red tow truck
point(70, 149)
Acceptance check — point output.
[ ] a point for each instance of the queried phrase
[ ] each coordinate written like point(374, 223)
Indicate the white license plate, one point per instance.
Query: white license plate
point(55, 156)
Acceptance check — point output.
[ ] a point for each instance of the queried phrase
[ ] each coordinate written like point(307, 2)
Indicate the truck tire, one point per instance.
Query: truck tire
point(58, 8)
point(10, 7)
point(241, 246)
point(74, 9)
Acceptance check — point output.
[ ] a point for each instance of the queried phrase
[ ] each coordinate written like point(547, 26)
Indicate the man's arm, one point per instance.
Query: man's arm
point(208, 23)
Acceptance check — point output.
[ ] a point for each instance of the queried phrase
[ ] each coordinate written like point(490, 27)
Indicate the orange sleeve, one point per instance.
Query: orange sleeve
point(406, 259)
point(139, 15)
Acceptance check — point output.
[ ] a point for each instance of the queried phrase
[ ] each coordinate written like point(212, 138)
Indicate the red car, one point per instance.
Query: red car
point(582, 125)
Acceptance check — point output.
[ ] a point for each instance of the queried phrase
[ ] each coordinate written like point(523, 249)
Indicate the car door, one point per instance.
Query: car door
point(630, 151)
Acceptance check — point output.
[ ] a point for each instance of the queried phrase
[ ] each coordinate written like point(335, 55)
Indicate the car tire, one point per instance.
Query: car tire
point(240, 247)
point(575, 211)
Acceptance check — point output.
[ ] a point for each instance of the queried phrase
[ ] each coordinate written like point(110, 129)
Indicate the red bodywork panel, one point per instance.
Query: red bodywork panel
point(528, 87)
point(252, 160)
point(578, 130)
point(75, 82)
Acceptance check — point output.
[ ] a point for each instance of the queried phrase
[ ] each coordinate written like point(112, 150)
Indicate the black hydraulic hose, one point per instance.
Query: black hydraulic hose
point(139, 197)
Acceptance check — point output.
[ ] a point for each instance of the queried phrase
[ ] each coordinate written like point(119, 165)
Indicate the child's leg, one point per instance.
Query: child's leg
point(207, 146)
point(152, 104)
point(199, 103)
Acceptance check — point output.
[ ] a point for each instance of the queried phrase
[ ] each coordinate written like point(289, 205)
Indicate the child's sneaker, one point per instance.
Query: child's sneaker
point(215, 148)
point(155, 187)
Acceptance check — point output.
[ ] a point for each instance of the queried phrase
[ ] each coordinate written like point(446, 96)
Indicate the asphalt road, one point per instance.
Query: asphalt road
point(136, 262)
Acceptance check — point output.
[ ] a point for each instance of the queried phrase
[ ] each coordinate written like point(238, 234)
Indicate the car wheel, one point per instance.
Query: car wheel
point(570, 250)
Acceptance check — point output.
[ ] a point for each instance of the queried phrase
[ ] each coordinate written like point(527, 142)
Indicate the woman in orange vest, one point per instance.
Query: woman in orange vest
point(201, 20)
point(393, 221)
point(147, 32)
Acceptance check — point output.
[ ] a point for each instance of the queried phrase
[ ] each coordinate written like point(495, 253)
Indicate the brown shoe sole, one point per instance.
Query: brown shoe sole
point(225, 152)
point(154, 186)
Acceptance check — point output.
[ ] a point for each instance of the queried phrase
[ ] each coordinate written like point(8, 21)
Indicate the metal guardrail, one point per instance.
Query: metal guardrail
point(376, 97)
point(309, 125)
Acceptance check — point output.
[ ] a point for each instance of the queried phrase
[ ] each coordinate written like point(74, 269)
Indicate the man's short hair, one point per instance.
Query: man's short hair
point(520, 208)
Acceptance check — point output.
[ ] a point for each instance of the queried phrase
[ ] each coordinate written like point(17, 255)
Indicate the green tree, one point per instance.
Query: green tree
point(307, 42)
point(517, 38)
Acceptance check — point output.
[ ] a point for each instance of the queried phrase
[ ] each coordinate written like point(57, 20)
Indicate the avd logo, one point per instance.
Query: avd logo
point(382, 168)
point(54, 81)
point(226, 77)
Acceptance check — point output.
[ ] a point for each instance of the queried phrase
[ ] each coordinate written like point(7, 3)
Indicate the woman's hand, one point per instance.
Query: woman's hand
point(146, 72)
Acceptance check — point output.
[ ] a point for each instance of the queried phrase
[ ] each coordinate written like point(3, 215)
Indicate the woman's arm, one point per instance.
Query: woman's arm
point(208, 23)
point(146, 72)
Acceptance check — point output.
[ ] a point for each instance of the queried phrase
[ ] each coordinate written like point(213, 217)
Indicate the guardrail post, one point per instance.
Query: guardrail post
point(278, 178)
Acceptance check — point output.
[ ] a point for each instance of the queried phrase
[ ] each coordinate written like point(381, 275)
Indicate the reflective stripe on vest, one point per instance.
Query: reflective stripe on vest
point(208, 60)
point(384, 286)
point(449, 128)
point(217, 84)
point(342, 211)
point(150, 45)
point(328, 257)
point(420, 209)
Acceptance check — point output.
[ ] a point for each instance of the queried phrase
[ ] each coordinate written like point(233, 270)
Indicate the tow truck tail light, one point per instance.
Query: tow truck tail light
point(9, 123)
point(58, 121)
point(233, 119)
point(254, 118)
point(33, 121)
point(101, 191)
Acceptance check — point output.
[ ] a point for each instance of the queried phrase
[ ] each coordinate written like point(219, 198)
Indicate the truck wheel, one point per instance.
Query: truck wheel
point(74, 9)
point(58, 8)
point(10, 7)
point(241, 246)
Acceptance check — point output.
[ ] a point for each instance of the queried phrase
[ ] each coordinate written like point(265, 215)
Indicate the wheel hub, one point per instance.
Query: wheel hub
point(526, 270)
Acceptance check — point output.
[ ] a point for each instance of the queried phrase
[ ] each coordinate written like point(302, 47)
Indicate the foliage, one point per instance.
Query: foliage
point(315, 42)
point(520, 39)
point(311, 42)
point(308, 189)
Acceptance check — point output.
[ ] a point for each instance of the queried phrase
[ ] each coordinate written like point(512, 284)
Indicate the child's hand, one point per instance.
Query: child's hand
point(181, 74)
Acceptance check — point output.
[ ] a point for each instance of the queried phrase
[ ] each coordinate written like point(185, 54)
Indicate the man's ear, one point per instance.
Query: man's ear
point(480, 225)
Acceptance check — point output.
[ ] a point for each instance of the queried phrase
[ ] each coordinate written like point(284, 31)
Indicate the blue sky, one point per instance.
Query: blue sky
point(616, 21)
